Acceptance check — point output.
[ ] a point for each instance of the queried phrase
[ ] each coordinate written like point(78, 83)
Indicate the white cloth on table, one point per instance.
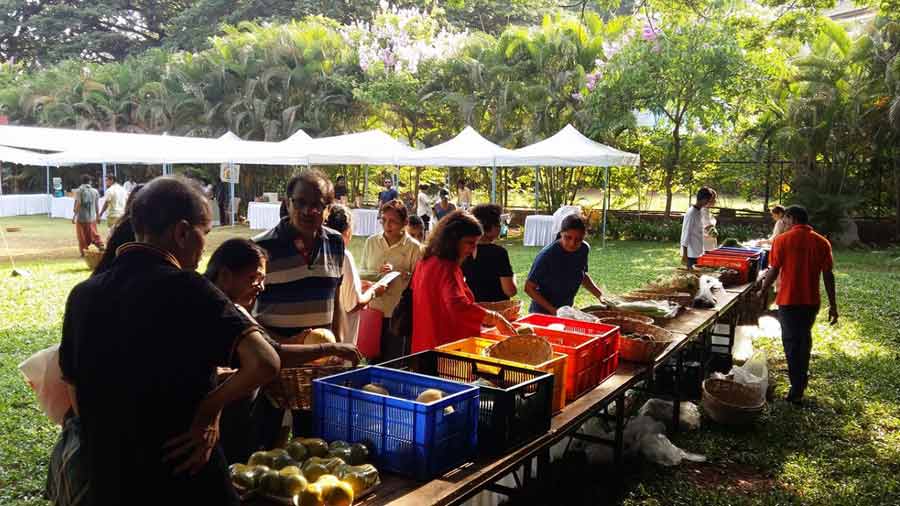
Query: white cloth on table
point(541, 229)
point(263, 215)
point(62, 207)
point(365, 222)
point(24, 205)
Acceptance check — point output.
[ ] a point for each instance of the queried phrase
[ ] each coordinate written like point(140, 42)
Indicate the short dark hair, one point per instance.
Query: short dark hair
point(444, 193)
point(488, 215)
point(397, 206)
point(112, 177)
point(235, 255)
point(165, 201)
point(798, 214)
point(449, 231)
point(339, 217)
point(313, 177)
point(86, 179)
point(573, 222)
point(415, 221)
point(705, 193)
point(424, 186)
point(779, 209)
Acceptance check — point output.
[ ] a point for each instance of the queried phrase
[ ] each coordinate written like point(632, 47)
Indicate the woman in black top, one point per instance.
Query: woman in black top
point(340, 190)
point(489, 273)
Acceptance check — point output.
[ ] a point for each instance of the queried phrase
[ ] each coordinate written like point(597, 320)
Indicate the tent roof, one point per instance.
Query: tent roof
point(297, 137)
point(467, 149)
point(372, 147)
point(21, 156)
point(570, 148)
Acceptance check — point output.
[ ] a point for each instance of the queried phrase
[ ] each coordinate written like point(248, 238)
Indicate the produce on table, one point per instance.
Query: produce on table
point(525, 329)
point(334, 479)
point(376, 389)
point(651, 308)
point(319, 336)
point(731, 243)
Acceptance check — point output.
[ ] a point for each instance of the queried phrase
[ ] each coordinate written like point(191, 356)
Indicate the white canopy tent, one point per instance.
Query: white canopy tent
point(21, 157)
point(567, 148)
point(467, 149)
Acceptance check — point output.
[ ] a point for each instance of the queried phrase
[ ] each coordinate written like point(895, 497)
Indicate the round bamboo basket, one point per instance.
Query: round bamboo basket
point(615, 313)
point(532, 350)
point(92, 258)
point(640, 350)
point(293, 387)
point(730, 403)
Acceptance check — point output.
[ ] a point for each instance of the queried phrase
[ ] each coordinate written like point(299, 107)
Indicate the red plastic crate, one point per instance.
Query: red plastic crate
point(609, 367)
point(587, 345)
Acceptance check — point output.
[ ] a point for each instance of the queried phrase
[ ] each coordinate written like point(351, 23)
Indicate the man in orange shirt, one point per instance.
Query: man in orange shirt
point(800, 255)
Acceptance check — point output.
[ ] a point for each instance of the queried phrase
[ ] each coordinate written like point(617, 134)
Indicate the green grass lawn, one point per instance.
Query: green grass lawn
point(843, 448)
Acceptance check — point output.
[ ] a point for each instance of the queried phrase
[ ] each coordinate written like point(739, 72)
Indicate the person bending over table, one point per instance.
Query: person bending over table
point(238, 268)
point(143, 384)
point(488, 271)
point(392, 250)
point(561, 268)
point(444, 309)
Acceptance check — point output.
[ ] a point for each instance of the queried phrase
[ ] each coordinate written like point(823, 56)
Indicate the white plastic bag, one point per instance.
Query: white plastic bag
point(705, 297)
point(658, 449)
point(43, 374)
point(659, 409)
point(576, 314)
point(769, 327)
point(743, 342)
point(754, 374)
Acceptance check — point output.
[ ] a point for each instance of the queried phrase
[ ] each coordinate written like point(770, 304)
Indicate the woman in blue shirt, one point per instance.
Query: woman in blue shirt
point(561, 268)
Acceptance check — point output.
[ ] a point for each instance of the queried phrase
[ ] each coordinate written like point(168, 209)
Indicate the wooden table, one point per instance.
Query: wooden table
point(466, 481)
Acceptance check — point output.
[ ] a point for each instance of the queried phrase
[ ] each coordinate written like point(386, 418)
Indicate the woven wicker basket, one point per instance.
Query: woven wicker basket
point(640, 350)
point(615, 313)
point(293, 388)
point(92, 258)
point(532, 350)
point(509, 309)
point(13, 229)
point(730, 403)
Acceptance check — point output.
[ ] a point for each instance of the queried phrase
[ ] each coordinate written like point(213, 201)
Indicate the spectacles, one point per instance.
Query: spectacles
point(314, 207)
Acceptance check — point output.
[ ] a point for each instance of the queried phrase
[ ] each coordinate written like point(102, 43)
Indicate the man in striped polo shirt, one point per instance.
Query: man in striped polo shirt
point(304, 272)
point(303, 279)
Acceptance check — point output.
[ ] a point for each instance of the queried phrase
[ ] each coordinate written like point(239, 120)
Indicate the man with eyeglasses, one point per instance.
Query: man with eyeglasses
point(304, 272)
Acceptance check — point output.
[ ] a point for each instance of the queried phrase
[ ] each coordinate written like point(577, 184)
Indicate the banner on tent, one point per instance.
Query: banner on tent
point(229, 173)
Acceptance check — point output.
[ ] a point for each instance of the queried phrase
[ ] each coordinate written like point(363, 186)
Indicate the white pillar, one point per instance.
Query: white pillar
point(103, 177)
point(605, 205)
point(365, 186)
point(49, 195)
point(537, 185)
point(231, 202)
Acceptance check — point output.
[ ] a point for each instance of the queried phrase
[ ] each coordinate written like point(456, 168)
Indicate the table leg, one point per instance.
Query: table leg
point(619, 448)
point(676, 393)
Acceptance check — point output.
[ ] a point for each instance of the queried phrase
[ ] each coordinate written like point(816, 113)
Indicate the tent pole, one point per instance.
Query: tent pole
point(537, 184)
point(494, 183)
point(231, 202)
point(103, 184)
point(605, 205)
point(49, 195)
point(1, 179)
point(365, 187)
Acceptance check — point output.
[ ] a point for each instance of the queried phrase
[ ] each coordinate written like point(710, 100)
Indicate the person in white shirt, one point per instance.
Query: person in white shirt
point(710, 234)
point(423, 206)
point(392, 251)
point(463, 194)
point(692, 229)
point(354, 294)
point(116, 196)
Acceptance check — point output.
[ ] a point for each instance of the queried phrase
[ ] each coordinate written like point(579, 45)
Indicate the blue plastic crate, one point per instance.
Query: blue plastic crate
point(763, 254)
point(411, 438)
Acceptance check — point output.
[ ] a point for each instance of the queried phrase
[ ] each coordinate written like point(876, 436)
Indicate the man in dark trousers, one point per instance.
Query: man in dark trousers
point(800, 256)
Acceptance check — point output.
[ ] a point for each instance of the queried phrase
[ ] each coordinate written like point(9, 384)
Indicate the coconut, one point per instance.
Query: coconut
point(319, 336)
point(430, 395)
point(376, 389)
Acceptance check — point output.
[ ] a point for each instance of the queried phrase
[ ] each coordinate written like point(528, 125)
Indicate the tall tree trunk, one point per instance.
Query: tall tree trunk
point(670, 168)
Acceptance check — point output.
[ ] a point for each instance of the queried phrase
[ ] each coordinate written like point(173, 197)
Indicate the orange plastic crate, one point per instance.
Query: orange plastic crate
point(474, 347)
point(584, 367)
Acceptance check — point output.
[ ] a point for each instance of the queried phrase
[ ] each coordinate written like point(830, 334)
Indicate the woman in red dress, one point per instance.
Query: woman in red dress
point(444, 309)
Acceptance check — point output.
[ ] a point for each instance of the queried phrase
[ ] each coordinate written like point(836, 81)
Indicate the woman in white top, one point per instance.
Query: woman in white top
point(393, 250)
point(710, 235)
point(780, 226)
point(463, 194)
point(353, 295)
